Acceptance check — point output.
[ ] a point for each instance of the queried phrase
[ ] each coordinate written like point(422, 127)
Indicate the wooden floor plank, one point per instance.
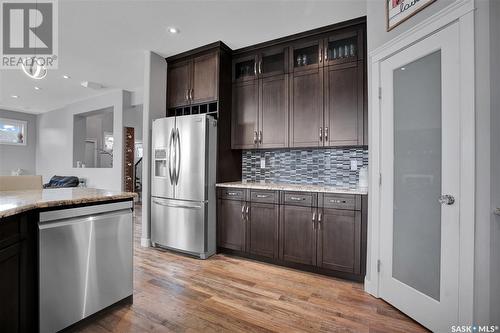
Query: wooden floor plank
point(176, 293)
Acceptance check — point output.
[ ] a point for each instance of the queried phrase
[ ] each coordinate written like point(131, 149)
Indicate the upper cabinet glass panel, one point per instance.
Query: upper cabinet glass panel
point(342, 50)
point(306, 56)
point(274, 63)
point(245, 69)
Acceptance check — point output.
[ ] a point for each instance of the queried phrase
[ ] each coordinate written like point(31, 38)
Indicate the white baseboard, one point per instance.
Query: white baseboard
point(145, 242)
point(371, 288)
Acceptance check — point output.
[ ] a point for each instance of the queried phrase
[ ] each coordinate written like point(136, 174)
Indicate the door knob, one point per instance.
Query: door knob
point(446, 199)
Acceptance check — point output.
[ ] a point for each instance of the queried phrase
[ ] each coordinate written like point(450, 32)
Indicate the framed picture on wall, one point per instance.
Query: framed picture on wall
point(398, 11)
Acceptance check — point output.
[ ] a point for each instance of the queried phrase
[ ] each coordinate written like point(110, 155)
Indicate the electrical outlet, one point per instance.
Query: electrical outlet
point(263, 163)
point(354, 165)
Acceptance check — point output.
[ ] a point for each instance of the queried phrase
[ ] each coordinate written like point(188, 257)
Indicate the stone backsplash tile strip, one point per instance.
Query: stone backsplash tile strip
point(320, 166)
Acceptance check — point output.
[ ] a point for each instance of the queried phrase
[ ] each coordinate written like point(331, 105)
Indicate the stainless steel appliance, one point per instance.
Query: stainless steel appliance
point(183, 184)
point(85, 262)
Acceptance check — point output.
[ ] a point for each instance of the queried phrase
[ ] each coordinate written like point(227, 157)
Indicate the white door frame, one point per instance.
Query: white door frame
point(462, 12)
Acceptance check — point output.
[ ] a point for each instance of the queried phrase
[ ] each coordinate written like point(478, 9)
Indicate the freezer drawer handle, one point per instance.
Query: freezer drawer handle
point(176, 205)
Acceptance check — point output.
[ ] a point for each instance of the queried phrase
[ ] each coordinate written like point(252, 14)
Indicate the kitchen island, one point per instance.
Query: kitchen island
point(64, 255)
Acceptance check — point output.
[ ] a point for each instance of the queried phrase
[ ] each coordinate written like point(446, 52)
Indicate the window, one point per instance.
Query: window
point(13, 132)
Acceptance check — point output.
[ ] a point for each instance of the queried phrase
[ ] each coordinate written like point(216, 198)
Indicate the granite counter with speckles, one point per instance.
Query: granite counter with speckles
point(16, 202)
point(296, 187)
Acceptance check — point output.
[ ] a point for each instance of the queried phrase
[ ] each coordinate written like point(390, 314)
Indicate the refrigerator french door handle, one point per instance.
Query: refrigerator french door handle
point(170, 167)
point(177, 156)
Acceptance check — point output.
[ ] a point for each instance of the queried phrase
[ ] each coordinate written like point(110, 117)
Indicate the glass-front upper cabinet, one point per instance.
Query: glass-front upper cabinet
point(306, 55)
point(245, 68)
point(273, 62)
point(343, 47)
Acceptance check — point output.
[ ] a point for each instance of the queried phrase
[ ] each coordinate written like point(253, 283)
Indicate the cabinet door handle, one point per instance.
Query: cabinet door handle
point(255, 68)
point(320, 55)
point(260, 67)
point(297, 198)
point(320, 216)
point(326, 134)
point(314, 220)
point(321, 134)
point(243, 212)
point(248, 208)
point(255, 137)
point(260, 137)
point(326, 55)
point(187, 95)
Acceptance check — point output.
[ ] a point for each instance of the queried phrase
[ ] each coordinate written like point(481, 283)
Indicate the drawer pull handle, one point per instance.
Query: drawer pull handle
point(232, 193)
point(338, 201)
point(262, 196)
point(297, 198)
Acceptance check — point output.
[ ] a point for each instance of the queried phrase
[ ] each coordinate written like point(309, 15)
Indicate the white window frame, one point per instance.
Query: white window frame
point(16, 122)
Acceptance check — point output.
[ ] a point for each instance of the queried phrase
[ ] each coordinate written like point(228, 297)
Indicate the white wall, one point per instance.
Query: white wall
point(154, 107)
point(495, 160)
point(377, 36)
point(54, 153)
point(19, 157)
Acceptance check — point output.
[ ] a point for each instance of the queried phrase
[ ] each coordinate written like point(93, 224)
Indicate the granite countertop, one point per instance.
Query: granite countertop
point(296, 187)
point(15, 202)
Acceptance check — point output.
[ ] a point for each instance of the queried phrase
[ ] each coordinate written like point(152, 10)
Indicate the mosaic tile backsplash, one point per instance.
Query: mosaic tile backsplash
point(320, 166)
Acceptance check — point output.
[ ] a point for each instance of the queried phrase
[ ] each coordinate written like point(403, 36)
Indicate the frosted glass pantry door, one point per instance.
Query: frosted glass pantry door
point(420, 128)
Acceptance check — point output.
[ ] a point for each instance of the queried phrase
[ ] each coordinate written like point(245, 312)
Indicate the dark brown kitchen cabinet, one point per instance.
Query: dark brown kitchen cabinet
point(193, 80)
point(326, 104)
point(344, 105)
point(339, 240)
point(179, 83)
point(244, 129)
point(262, 229)
point(205, 78)
point(18, 276)
point(273, 112)
point(298, 234)
point(306, 108)
point(10, 289)
point(231, 224)
point(260, 105)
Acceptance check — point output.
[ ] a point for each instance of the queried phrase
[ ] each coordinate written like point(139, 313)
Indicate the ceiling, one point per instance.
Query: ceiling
point(105, 41)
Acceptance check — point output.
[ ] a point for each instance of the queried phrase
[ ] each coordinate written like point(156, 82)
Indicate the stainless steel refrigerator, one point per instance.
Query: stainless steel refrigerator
point(183, 184)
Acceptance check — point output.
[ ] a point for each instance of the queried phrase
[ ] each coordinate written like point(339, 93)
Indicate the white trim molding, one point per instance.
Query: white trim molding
point(461, 12)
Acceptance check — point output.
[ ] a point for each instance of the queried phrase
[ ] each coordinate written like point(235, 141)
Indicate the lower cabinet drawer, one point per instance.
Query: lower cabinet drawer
point(264, 196)
point(305, 199)
point(232, 193)
point(342, 201)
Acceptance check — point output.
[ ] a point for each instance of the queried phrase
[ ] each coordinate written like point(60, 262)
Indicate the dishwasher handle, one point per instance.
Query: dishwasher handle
point(61, 214)
point(81, 219)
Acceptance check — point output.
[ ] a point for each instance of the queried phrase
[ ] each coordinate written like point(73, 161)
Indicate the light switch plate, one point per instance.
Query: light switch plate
point(262, 163)
point(354, 165)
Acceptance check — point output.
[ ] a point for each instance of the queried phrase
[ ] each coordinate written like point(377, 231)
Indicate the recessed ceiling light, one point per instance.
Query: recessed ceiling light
point(173, 30)
point(14, 96)
point(66, 76)
point(403, 68)
point(37, 88)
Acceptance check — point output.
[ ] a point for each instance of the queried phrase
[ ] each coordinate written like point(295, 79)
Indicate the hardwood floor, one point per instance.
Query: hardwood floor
point(175, 293)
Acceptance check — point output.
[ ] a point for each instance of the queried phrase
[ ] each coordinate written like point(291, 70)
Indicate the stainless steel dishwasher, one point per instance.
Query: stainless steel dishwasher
point(85, 262)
